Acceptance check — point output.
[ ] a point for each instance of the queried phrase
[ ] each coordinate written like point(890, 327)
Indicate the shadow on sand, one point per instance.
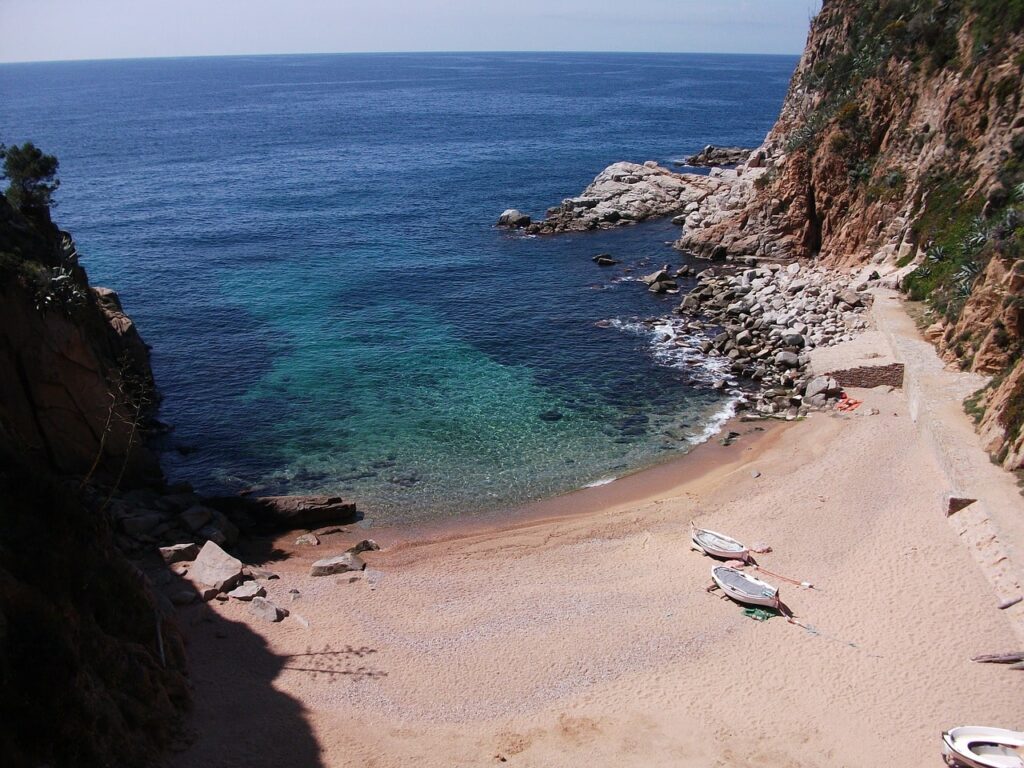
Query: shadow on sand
point(239, 718)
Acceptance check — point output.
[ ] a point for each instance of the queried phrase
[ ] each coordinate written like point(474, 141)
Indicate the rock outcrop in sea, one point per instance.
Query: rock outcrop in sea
point(623, 193)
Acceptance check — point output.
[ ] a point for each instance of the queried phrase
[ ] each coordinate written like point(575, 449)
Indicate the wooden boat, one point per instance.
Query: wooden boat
point(744, 588)
point(718, 544)
point(976, 746)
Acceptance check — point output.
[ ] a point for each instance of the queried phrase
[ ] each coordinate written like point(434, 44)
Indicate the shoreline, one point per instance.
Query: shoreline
point(644, 484)
point(582, 632)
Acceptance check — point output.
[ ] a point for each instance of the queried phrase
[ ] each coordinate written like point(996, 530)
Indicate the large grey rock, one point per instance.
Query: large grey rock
point(787, 360)
point(179, 552)
point(343, 563)
point(849, 297)
point(655, 277)
point(819, 385)
point(266, 610)
point(513, 218)
point(215, 568)
point(247, 591)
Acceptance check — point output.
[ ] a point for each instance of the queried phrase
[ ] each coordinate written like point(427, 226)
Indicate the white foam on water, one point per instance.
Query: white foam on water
point(676, 346)
point(602, 481)
point(715, 423)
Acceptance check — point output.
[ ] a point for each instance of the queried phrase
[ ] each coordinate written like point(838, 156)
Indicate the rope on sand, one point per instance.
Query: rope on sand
point(812, 630)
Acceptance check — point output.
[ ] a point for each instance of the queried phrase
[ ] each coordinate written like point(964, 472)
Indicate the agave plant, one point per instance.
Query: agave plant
point(965, 277)
point(935, 254)
point(59, 290)
point(978, 234)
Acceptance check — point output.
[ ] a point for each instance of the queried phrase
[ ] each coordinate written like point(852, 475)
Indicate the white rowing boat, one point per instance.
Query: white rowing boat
point(718, 544)
point(744, 588)
point(976, 746)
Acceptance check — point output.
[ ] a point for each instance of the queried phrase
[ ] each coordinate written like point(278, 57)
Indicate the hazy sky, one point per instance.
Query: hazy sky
point(32, 30)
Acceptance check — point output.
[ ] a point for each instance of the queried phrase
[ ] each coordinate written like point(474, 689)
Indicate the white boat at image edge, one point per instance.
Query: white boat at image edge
point(977, 746)
point(718, 544)
point(744, 588)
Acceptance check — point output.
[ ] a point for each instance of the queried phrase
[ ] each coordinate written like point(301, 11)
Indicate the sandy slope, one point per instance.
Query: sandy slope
point(590, 640)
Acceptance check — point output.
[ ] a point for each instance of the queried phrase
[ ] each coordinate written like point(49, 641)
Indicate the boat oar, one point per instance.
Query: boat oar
point(804, 584)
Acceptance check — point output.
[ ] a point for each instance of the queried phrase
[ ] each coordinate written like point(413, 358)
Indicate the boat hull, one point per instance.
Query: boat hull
point(753, 591)
point(718, 545)
point(964, 746)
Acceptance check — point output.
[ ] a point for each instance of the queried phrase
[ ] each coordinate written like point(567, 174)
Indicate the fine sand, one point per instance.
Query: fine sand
point(588, 638)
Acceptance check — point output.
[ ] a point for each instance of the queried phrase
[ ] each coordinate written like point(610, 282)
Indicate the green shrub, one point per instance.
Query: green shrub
point(839, 142)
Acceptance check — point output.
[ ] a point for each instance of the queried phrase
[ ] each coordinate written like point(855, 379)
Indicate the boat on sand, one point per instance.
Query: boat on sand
point(977, 746)
point(744, 588)
point(718, 544)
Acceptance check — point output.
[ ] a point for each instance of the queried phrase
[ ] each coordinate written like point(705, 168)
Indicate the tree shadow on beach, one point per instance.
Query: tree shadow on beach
point(240, 716)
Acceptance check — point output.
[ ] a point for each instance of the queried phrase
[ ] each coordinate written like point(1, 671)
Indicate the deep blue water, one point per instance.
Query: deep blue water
point(307, 242)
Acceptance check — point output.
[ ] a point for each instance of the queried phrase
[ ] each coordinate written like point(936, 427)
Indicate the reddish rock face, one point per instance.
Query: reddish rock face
point(65, 395)
point(75, 383)
point(856, 160)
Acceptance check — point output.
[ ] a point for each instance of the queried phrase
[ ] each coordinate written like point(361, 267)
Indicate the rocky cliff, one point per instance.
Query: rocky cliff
point(77, 390)
point(91, 662)
point(900, 151)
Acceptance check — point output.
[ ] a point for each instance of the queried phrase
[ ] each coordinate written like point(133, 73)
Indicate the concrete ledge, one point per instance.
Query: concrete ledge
point(992, 527)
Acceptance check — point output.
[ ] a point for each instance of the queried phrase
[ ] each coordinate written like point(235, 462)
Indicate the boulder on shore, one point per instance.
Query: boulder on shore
point(338, 564)
point(266, 610)
point(216, 569)
point(288, 513)
point(177, 553)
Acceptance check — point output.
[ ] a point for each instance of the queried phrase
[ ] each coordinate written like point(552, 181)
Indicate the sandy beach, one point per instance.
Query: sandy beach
point(587, 637)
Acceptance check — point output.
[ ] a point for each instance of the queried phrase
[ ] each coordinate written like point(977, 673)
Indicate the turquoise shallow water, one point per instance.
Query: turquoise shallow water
point(308, 244)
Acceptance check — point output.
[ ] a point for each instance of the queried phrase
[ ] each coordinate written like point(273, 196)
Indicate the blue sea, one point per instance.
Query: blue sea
point(308, 244)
